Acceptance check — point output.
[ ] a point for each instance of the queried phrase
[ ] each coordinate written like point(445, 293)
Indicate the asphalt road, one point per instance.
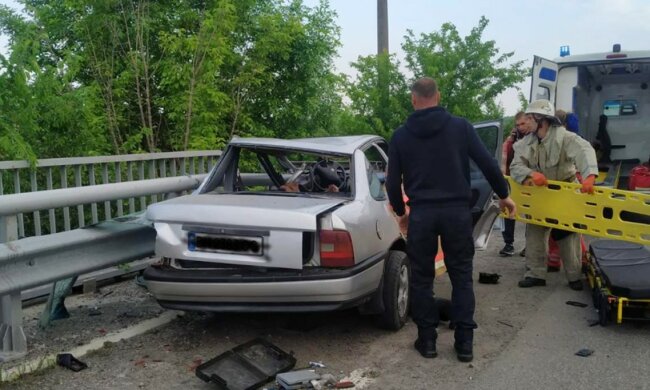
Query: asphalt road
point(527, 338)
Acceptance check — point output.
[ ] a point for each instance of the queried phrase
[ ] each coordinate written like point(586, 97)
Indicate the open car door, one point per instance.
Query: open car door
point(484, 211)
point(544, 80)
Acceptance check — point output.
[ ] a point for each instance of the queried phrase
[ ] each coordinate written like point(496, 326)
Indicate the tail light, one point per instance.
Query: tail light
point(336, 249)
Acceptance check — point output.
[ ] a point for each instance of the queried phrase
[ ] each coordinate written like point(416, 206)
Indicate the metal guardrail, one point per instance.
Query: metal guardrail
point(34, 201)
point(18, 177)
point(35, 261)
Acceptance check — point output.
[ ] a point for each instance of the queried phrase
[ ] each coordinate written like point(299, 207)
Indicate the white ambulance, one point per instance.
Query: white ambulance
point(609, 94)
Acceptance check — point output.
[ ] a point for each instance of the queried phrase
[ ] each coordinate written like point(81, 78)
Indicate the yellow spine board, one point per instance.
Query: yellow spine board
point(608, 213)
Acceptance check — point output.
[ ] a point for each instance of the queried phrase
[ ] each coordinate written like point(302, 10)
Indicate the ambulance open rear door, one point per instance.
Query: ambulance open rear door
point(544, 80)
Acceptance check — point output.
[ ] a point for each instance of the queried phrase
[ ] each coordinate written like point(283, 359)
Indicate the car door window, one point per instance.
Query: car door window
point(376, 168)
point(489, 135)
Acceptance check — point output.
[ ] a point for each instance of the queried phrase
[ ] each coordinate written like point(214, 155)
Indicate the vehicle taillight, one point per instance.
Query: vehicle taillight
point(336, 249)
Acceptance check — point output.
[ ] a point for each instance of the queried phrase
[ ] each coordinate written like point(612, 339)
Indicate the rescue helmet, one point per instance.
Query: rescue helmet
point(545, 108)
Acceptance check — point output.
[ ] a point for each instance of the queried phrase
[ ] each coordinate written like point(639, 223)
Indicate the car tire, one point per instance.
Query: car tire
point(397, 276)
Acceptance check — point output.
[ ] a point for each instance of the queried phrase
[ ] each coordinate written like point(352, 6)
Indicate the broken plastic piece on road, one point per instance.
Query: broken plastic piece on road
point(577, 304)
point(70, 362)
point(487, 278)
point(585, 352)
point(316, 365)
point(297, 379)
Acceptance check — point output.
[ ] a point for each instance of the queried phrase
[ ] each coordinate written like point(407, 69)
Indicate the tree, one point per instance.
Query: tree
point(470, 72)
point(41, 108)
point(280, 74)
point(144, 75)
point(190, 72)
point(377, 74)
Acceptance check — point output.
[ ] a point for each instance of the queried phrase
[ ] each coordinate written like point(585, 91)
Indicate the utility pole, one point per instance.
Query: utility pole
point(383, 63)
point(382, 26)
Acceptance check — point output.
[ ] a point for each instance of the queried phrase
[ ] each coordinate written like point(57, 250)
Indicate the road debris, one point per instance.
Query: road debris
point(488, 278)
point(248, 366)
point(585, 352)
point(298, 379)
point(576, 304)
point(70, 362)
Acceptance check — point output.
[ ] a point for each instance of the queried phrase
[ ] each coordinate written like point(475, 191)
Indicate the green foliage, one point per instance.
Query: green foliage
point(523, 101)
point(280, 74)
point(470, 72)
point(13, 96)
point(126, 76)
point(379, 96)
point(130, 76)
point(189, 72)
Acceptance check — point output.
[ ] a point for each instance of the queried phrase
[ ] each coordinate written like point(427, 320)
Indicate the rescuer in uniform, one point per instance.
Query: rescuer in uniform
point(551, 152)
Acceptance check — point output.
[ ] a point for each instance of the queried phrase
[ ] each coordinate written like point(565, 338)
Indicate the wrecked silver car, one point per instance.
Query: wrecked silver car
point(286, 226)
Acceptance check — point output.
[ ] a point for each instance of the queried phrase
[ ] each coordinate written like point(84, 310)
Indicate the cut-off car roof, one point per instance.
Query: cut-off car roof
point(336, 145)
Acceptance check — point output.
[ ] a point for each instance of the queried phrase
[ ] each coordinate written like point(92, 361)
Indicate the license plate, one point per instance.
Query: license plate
point(216, 243)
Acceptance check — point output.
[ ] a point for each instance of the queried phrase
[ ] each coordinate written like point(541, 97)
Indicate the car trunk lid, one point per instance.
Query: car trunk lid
point(241, 229)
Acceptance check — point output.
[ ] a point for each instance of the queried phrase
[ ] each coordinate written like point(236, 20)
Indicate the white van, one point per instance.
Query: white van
point(609, 94)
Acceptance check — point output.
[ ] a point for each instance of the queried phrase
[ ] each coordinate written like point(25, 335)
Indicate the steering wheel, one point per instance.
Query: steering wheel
point(299, 171)
point(324, 173)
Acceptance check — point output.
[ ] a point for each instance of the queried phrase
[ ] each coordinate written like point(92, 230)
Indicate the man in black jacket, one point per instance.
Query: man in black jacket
point(430, 155)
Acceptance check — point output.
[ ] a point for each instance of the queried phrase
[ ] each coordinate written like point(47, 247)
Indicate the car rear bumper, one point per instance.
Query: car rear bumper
point(287, 291)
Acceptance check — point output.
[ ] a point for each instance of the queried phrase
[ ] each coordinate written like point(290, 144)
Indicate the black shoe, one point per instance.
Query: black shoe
point(508, 250)
point(426, 347)
point(552, 268)
point(576, 285)
point(523, 253)
point(464, 351)
point(531, 282)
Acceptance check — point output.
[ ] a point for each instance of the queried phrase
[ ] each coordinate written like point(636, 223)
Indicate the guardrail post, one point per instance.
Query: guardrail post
point(8, 228)
point(13, 343)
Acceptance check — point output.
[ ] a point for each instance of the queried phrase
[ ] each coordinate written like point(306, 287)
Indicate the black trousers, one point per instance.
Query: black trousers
point(454, 227)
point(508, 231)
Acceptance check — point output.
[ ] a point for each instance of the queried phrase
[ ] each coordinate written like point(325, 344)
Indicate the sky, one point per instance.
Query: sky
point(526, 28)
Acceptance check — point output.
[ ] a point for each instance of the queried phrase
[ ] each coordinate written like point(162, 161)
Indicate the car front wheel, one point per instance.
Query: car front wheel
point(396, 290)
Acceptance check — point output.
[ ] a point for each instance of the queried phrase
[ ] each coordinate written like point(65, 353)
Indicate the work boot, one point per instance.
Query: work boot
point(531, 282)
point(426, 347)
point(426, 342)
point(508, 250)
point(463, 339)
point(464, 351)
point(576, 285)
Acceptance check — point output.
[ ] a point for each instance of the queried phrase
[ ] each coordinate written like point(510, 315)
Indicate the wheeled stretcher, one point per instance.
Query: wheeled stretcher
point(619, 275)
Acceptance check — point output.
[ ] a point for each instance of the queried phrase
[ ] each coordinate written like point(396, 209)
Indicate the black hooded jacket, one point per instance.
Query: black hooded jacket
point(430, 153)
